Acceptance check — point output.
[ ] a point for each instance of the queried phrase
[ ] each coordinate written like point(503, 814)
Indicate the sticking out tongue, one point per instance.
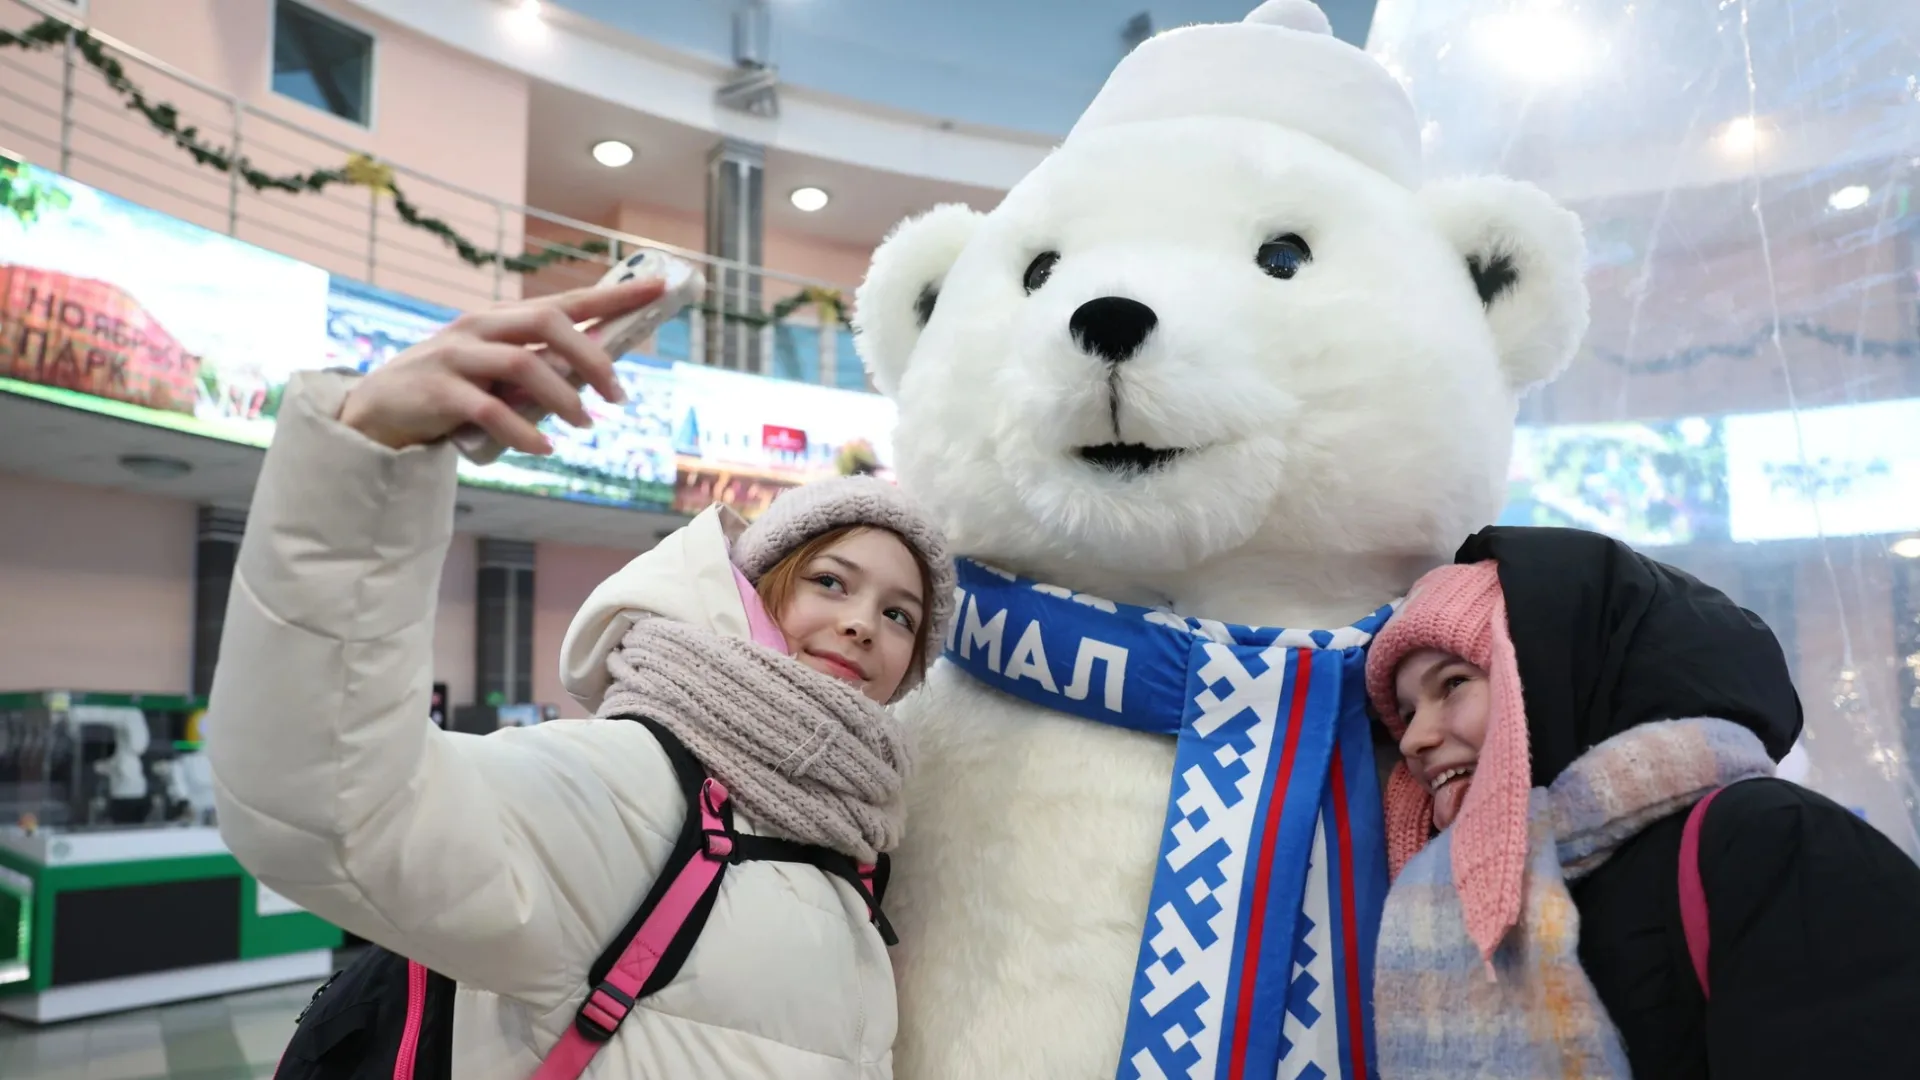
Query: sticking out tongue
point(1448, 800)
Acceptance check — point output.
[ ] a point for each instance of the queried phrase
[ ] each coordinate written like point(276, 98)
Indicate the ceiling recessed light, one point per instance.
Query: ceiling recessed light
point(1537, 46)
point(155, 466)
point(1851, 197)
point(808, 199)
point(527, 17)
point(1908, 548)
point(1740, 136)
point(612, 153)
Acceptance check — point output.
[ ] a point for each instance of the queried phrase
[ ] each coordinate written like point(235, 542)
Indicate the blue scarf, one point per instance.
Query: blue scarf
point(1257, 960)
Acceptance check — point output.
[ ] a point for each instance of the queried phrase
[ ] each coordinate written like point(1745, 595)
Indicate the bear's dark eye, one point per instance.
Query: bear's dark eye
point(1282, 257)
point(1040, 269)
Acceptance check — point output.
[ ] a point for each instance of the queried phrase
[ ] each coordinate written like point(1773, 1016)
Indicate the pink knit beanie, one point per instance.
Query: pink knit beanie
point(1459, 609)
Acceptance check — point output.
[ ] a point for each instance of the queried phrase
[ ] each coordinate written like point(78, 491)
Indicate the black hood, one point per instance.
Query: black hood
point(1607, 639)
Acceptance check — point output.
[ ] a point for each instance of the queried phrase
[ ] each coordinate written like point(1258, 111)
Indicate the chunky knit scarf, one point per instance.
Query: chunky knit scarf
point(808, 757)
point(1438, 1014)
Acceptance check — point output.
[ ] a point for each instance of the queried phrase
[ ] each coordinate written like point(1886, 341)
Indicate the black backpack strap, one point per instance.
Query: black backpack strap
point(777, 849)
point(690, 774)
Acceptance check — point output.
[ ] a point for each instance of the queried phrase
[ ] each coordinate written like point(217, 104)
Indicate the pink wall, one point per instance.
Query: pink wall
point(96, 593)
point(481, 146)
point(683, 228)
point(563, 575)
point(96, 589)
point(785, 251)
point(810, 256)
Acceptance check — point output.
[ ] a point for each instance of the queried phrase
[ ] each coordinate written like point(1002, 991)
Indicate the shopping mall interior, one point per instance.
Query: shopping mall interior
point(200, 198)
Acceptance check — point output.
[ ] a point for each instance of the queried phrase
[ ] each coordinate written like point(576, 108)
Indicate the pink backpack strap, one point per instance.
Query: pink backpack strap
point(416, 1015)
point(1693, 894)
point(608, 1003)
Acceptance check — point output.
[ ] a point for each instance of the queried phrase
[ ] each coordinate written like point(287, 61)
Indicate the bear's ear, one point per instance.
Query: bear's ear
point(903, 286)
point(1527, 258)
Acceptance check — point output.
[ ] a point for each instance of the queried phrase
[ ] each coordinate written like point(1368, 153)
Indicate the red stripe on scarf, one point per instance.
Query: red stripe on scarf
point(1263, 872)
point(1350, 932)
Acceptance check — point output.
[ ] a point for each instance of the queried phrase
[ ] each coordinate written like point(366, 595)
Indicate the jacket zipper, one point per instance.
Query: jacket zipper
point(416, 1013)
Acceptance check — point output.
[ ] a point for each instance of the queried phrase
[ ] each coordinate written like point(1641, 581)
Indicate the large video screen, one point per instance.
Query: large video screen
point(1649, 483)
point(108, 306)
point(1844, 470)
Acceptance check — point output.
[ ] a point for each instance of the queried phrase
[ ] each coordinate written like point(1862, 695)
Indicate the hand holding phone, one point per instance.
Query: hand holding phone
point(616, 336)
point(497, 371)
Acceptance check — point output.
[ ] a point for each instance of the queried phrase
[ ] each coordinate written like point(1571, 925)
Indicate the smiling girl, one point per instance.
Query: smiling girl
point(507, 865)
point(1561, 704)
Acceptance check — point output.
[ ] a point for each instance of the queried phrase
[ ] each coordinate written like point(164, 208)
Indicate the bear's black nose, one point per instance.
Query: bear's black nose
point(1112, 327)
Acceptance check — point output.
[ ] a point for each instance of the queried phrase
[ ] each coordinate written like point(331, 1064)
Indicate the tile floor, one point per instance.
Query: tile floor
point(238, 1037)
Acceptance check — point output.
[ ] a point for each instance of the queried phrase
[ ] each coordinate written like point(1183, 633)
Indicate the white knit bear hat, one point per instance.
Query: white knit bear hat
point(1281, 65)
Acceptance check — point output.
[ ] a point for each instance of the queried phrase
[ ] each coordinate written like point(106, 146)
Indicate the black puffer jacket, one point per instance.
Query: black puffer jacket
point(1815, 916)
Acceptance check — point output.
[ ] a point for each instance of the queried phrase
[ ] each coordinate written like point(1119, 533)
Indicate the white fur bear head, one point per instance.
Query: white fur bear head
point(1185, 335)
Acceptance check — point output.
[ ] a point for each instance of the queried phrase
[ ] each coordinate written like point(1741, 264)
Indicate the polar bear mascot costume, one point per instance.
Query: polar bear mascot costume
point(1200, 400)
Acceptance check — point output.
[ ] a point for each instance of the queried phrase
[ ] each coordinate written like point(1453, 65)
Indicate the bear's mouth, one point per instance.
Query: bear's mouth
point(1128, 457)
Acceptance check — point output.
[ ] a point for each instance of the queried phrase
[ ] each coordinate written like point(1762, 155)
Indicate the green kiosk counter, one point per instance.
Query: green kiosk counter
point(116, 891)
point(116, 919)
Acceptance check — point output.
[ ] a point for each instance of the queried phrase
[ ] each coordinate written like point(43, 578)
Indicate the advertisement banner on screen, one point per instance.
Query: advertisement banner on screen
point(368, 326)
point(626, 457)
point(116, 308)
point(1846, 470)
point(742, 439)
point(1649, 483)
point(113, 308)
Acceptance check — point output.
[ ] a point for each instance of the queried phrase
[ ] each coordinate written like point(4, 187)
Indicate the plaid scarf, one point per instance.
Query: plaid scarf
point(1438, 1014)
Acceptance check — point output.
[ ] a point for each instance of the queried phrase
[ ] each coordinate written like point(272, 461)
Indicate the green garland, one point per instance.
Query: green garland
point(24, 197)
point(165, 119)
point(361, 171)
point(830, 303)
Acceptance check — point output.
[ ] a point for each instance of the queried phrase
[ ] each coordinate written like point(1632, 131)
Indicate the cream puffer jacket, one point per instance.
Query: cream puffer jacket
point(506, 862)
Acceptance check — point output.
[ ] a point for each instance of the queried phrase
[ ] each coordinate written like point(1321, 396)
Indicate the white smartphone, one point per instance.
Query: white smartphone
point(684, 283)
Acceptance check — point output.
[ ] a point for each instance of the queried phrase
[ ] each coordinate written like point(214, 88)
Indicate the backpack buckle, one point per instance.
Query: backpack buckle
point(713, 801)
point(603, 1012)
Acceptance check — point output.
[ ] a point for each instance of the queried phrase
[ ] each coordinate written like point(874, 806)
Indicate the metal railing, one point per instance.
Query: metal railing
point(56, 111)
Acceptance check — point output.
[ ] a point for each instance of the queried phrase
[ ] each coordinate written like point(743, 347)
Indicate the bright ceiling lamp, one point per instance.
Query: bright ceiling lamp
point(1741, 136)
point(1908, 548)
point(612, 153)
point(809, 199)
point(1540, 46)
point(1851, 197)
point(526, 15)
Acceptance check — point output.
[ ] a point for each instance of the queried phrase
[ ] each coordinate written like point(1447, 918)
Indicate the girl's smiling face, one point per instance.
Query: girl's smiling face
point(855, 610)
point(1445, 702)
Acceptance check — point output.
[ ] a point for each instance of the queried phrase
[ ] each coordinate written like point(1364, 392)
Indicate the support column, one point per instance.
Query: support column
point(503, 608)
point(735, 212)
point(215, 551)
